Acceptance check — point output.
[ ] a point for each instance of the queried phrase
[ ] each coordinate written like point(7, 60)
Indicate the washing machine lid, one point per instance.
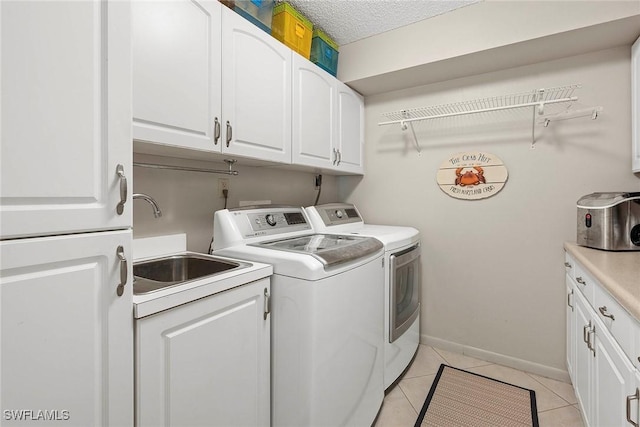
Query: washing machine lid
point(344, 218)
point(329, 249)
point(392, 237)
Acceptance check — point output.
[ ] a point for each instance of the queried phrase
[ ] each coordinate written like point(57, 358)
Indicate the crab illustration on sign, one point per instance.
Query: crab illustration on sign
point(472, 175)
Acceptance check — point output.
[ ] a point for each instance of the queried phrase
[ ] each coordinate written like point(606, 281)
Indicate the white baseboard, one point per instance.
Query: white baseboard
point(500, 359)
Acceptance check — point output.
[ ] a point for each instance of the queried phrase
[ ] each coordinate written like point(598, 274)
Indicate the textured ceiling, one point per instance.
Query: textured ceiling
point(346, 21)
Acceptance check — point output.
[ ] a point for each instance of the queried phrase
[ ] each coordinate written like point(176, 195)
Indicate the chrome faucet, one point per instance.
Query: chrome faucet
point(156, 209)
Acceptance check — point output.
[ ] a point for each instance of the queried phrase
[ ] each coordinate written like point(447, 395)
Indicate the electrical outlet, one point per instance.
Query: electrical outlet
point(223, 184)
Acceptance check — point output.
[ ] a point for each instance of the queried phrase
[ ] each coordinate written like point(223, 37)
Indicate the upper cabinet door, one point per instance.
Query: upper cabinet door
point(635, 104)
point(176, 72)
point(314, 115)
point(65, 117)
point(350, 129)
point(256, 94)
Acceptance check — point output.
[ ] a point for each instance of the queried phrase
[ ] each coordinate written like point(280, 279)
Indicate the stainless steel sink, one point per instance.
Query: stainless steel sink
point(160, 273)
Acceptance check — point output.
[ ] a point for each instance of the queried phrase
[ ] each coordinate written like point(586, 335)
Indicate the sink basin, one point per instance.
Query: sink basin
point(160, 273)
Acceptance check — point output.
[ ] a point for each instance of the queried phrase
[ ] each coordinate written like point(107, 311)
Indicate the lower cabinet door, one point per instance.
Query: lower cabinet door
point(66, 334)
point(206, 362)
point(582, 370)
point(571, 328)
point(633, 403)
point(613, 381)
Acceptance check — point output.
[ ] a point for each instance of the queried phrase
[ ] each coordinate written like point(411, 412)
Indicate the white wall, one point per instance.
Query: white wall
point(493, 281)
point(483, 37)
point(189, 199)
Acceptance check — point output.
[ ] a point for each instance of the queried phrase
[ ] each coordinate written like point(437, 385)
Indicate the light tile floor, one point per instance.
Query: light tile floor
point(556, 400)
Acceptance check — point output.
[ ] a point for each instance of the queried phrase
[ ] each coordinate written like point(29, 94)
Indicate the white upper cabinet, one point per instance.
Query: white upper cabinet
point(314, 115)
point(204, 78)
point(635, 104)
point(327, 121)
point(350, 129)
point(176, 72)
point(65, 117)
point(256, 92)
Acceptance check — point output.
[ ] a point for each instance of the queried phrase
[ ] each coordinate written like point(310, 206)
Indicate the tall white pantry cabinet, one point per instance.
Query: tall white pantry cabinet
point(66, 324)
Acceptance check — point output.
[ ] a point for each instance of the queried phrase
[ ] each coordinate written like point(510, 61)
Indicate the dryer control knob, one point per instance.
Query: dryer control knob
point(339, 213)
point(271, 220)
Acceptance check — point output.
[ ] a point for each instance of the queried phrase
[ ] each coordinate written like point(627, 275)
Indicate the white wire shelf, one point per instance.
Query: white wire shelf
point(536, 99)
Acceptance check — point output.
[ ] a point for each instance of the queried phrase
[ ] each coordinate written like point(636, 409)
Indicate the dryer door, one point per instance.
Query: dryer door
point(405, 291)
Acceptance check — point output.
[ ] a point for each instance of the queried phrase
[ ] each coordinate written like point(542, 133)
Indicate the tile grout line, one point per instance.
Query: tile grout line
point(563, 399)
point(559, 407)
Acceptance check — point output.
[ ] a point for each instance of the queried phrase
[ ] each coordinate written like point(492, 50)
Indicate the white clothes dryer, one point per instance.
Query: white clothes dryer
point(326, 323)
point(402, 279)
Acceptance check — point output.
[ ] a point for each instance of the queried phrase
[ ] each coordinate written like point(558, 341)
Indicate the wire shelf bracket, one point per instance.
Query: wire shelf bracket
point(537, 100)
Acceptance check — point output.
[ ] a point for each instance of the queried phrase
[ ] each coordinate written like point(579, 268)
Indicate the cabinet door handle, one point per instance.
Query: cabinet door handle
point(591, 346)
point(584, 333)
point(123, 189)
point(335, 157)
point(229, 133)
point(635, 396)
point(581, 281)
point(216, 131)
point(123, 270)
point(339, 157)
point(267, 303)
point(569, 299)
point(603, 311)
point(566, 264)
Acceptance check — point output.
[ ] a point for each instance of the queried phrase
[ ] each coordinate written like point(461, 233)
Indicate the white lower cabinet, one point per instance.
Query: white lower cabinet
point(66, 335)
point(582, 369)
point(570, 315)
point(571, 325)
point(614, 380)
point(633, 401)
point(603, 376)
point(206, 362)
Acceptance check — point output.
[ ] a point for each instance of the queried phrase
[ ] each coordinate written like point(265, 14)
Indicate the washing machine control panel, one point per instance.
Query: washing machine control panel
point(338, 214)
point(264, 221)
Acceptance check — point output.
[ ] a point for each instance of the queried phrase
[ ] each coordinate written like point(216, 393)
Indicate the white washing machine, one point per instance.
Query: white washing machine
point(326, 321)
point(402, 280)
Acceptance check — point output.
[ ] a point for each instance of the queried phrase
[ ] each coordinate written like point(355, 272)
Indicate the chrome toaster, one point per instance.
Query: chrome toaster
point(609, 221)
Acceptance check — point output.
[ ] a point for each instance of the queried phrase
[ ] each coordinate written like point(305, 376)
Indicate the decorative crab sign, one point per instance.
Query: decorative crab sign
point(472, 175)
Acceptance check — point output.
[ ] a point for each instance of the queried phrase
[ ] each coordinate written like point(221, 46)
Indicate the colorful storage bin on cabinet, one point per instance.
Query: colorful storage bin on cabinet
point(292, 28)
point(259, 12)
point(324, 52)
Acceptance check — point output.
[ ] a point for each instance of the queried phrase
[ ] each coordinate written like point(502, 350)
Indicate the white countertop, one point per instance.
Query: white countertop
point(618, 272)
